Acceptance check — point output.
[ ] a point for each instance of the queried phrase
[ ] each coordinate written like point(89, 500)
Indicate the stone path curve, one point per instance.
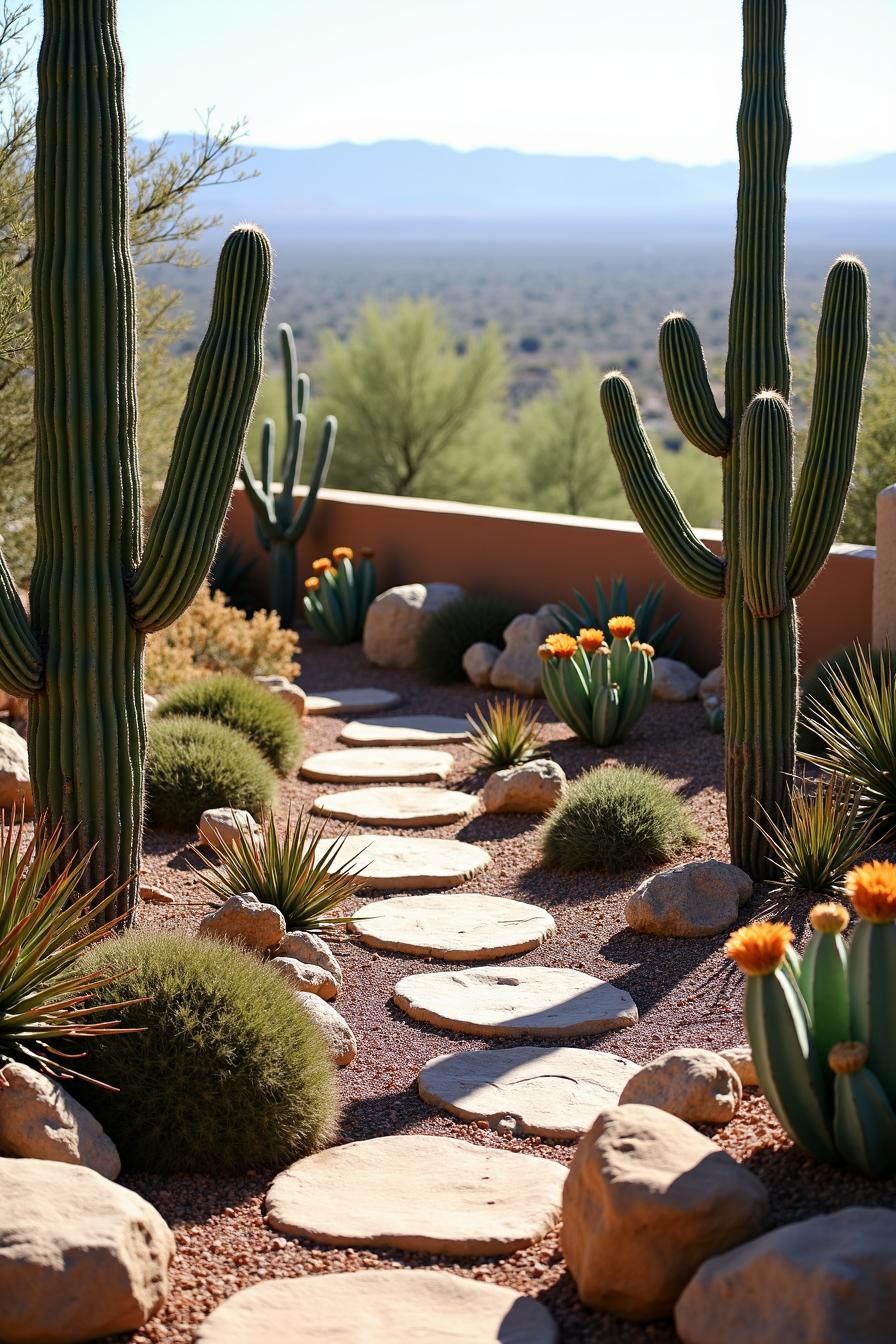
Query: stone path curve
point(407, 863)
point(398, 805)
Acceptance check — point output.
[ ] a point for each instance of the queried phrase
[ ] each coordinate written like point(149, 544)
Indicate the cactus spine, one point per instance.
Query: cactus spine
point(94, 595)
point(279, 528)
point(776, 540)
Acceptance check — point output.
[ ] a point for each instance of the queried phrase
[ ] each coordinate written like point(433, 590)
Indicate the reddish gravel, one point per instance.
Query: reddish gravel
point(686, 992)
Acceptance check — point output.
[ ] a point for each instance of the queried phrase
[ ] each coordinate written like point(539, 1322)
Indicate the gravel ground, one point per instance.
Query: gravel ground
point(686, 992)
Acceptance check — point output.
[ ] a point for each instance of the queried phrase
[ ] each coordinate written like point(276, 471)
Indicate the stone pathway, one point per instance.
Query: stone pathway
point(378, 765)
point(404, 730)
point(354, 700)
point(419, 1192)
point(407, 863)
point(552, 1091)
point(462, 926)
point(398, 805)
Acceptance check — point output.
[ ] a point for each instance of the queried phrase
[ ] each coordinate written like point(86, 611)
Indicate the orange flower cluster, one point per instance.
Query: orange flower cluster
point(621, 626)
point(872, 889)
point(829, 917)
point(645, 648)
point(591, 639)
point(848, 1056)
point(343, 553)
point(312, 583)
point(558, 646)
point(323, 566)
point(759, 949)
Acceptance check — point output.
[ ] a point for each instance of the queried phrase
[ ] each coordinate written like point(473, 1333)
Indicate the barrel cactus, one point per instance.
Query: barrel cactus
point(600, 690)
point(96, 591)
point(776, 538)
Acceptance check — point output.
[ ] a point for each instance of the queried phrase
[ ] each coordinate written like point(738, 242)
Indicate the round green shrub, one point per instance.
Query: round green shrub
point(230, 1073)
point(614, 818)
point(192, 764)
point(816, 687)
point(472, 619)
point(268, 722)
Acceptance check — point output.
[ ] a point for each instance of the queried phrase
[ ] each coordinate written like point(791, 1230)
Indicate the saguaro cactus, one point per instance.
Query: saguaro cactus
point(279, 528)
point(95, 592)
point(775, 540)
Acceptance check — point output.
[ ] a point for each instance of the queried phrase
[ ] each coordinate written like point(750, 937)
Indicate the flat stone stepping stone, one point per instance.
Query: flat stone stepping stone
point(407, 862)
point(462, 926)
point(378, 765)
point(379, 1306)
point(516, 1001)
point(419, 1192)
point(552, 1091)
point(404, 729)
point(398, 805)
point(351, 700)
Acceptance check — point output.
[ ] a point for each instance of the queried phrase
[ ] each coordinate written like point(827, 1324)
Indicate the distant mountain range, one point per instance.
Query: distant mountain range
point(413, 180)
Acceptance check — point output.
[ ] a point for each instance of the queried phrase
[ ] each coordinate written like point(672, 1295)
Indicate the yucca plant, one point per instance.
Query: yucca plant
point(824, 833)
point(46, 921)
point(572, 619)
point(338, 594)
point(300, 873)
point(508, 733)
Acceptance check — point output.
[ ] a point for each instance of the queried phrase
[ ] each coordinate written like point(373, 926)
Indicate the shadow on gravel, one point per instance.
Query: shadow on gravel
point(385, 1113)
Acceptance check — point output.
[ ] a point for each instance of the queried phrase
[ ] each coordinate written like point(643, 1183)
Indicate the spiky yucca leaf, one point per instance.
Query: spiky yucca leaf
point(298, 873)
point(827, 832)
point(598, 614)
point(508, 733)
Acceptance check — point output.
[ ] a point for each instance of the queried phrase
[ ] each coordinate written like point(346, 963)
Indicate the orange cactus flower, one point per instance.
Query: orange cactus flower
point(759, 949)
point(545, 652)
point(848, 1056)
point(872, 889)
point(591, 639)
point(321, 565)
point(621, 626)
point(829, 917)
point(312, 583)
point(561, 646)
point(343, 553)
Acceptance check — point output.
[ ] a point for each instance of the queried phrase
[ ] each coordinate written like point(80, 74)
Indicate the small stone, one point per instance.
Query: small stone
point(312, 950)
point(15, 781)
point(307, 979)
point(340, 1039)
point(829, 1280)
point(691, 900)
point(713, 685)
point(647, 1200)
point(156, 895)
point(518, 666)
point(506, 1125)
point(245, 920)
point(378, 765)
point(351, 700)
point(673, 680)
point(80, 1257)
point(740, 1057)
point(457, 926)
point(533, 786)
point(407, 863)
point(39, 1119)
point(396, 618)
point(225, 824)
point(287, 690)
point(398, 805)
point(404, 730)
point(479, 660)
point(150, 704)
point(698, 1086)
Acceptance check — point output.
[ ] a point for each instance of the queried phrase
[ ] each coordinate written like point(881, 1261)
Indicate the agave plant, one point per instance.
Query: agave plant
point(338, 594)
point(301, 873)
point(599, 615)
point(508, 733)
point(46, 922)
point(826, 833)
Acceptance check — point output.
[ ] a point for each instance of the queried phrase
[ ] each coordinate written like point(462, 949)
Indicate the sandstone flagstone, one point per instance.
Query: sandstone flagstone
point(407, 862)
point(553, 1091)
point(419, 1192)
point(404, 730)
point(398, 805)
point(379, 1306)
point(458, 926)
point(351, 700)
point(378, 765)
point(546, 1001)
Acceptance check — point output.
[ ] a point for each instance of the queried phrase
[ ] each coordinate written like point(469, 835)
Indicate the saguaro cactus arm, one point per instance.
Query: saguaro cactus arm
point(841, 354)
point(691, 399)
point(766, 486)
point(210, 436)
point(652, 500)
point(321, 467)
point(21, 661)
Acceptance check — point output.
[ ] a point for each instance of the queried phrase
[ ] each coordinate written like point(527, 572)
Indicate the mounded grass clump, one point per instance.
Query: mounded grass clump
point(472, 619)
point(615, 818)
point(268, 722)
point(193, 764)
point(817, 694)
point(229, 1075)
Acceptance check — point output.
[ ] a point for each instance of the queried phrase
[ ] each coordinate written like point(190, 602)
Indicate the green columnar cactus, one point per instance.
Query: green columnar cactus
point(599, 690)
point(279, 528)
point(776, 540)
point(95, 592)
point(338, 594)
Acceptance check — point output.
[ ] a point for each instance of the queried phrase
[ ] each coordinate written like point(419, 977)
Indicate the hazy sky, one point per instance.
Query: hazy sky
point(622, 77)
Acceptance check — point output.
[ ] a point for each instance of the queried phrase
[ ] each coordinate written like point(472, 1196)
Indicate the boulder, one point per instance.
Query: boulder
point(244, 920)
point(698, 1086)
point(518, 667)
point(673, 680)
point(740, 1057)
point(38, 1118)
point(647, 1200)
point(691, 900)
point(533, 786)
point(15, 782)
point(712, 686)
point(225, 824)
point(396, 618)
point(312, 950)
point(305, 978)
point(287, 690)
point(828, 1280)
point(479, 660)
point(155, 895)
point(337, 1033)
point(80, 1257)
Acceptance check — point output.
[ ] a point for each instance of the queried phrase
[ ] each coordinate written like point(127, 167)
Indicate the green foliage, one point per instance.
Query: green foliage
point(614, 818)
point(876, 453)
point(472, 619)
point(818, 696)
point(508, 733)
point(599, 690)
point(229, 1073)
point(193, 764)
point(338, 594)
point(301, 873)
point(822, 835)
point(266, 720)
point(617, 603)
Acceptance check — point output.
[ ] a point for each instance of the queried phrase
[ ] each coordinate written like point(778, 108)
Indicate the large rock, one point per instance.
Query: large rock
point(691, 900)
point(305, 978)
point(341, 1043)
point(397, 617)
point(828, 1280)
point(15, 782)
point(287, 691)
point(698, 1086)
point(518, 667)
point(647, 1200)
point(312, 950)
point(226, 824)
point(534, 786)
point(38, 1118)
point(247, 921)
point(673, 680)
point(479, 660)
point(80, 1257)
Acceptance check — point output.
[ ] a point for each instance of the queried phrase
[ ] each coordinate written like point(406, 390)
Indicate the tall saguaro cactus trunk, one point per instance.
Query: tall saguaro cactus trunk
point(776, 540)
point(95, 594)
